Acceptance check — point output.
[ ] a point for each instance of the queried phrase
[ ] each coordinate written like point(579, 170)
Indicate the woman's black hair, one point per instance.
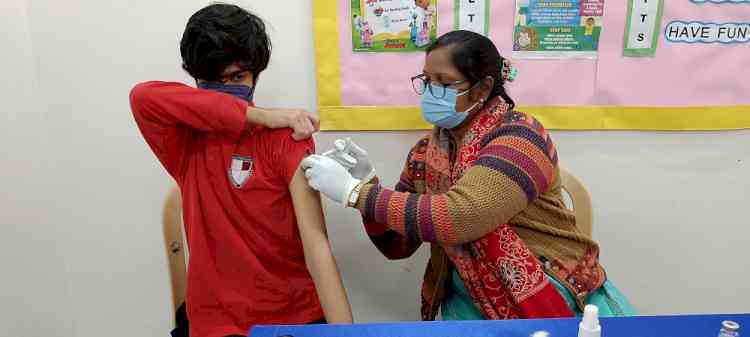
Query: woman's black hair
point(220, 35)
point(476, 57)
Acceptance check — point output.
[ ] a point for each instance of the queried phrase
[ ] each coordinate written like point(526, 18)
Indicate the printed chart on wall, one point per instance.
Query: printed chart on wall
point(557, 29)
point(395, 25)
point(581, 64)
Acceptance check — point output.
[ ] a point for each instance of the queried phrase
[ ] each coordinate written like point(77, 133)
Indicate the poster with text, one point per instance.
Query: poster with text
point(393, 25)
point(557, 28)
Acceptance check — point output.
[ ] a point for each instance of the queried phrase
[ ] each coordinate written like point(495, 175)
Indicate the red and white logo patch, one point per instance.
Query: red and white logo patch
point(240, 170)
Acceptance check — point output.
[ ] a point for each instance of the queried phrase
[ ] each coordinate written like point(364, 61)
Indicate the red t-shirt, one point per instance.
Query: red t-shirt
point(246, 262)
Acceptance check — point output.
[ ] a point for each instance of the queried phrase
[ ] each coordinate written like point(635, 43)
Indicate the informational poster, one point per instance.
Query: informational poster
point(642, 30)
point(557, 28)
point(473, 15)
point(393, 25)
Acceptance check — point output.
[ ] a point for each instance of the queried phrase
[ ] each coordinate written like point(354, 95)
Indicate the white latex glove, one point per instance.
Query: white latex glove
point(353, 157)
point(330, 178)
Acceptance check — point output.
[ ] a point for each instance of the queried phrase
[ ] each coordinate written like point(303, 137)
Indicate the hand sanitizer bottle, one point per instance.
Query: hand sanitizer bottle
point(589, 326)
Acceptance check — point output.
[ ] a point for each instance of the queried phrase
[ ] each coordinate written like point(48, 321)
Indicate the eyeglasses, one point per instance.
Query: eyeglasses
point(420, 83)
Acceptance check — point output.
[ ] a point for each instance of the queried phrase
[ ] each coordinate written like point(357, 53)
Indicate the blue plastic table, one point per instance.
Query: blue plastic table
point(642, 326)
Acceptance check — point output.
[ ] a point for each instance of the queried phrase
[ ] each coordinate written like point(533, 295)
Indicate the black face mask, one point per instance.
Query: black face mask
point(240, 91)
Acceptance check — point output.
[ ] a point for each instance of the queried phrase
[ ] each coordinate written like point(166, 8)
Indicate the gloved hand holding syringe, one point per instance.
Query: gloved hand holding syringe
point(353, 158)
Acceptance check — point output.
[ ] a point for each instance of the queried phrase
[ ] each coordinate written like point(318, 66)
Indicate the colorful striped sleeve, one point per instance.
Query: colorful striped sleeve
point(392, 244)
point(517, 163)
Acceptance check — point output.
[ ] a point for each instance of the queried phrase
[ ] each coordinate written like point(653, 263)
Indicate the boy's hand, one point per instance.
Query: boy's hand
point(305, 124)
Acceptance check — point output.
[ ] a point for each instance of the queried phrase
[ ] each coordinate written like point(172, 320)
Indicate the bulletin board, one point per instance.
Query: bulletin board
point(691, 82)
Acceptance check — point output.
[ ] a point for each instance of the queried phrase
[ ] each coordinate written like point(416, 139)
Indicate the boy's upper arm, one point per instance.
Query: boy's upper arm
point(169, 113)
point(291, 153)
point(169, 103)
point(166, 138)
point(307, 207)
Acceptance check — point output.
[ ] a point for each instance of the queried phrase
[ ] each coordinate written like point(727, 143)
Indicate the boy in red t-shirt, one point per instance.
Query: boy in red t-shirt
point(259, 251)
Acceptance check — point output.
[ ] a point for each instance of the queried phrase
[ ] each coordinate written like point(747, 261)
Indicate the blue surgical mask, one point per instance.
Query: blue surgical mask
point(442, 112)
point(240, 91)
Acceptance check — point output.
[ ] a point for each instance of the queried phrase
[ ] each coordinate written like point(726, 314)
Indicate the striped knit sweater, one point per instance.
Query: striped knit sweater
point(515, 180)
point(516, 165)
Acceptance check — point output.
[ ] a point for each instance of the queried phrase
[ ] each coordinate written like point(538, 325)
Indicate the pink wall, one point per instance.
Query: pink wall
point(681, 74)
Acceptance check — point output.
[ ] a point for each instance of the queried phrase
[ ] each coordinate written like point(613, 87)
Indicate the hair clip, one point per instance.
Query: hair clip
point(512, 75)
point(508, 71)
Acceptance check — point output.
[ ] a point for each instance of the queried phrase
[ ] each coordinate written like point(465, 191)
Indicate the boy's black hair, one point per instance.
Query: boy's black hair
point(476, 57)
point(221, 34)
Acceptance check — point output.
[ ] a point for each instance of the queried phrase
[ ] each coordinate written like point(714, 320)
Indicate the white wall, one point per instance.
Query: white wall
point(80, 235)
point(34, 279)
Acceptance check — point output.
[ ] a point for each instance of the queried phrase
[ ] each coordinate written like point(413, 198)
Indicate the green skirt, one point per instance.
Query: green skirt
point(458, 304)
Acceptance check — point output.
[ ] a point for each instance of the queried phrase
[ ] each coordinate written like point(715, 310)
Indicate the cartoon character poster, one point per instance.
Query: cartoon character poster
point(393, 25)
point(557, 28)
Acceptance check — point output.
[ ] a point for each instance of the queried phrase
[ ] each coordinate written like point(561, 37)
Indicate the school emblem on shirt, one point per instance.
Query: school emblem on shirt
point(240, 170)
